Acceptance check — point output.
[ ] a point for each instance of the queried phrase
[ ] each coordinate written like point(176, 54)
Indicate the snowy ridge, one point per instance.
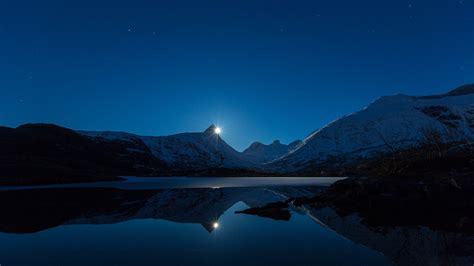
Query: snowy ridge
point(389, 123)
point(197, 151)
point(261, 153)
point(206, 149)
point(110, 135)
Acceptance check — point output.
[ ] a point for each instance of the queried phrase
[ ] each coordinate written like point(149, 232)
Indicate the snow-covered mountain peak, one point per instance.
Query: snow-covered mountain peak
point(261, 153)
point(255, 145)
point(211, 129)
point(184, 151)
point(388, 123)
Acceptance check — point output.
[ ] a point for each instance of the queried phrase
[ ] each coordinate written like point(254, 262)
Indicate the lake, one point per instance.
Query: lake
point(187, 221)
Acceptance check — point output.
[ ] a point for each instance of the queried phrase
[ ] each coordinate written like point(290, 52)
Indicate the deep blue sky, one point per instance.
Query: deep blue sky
point(263, 70)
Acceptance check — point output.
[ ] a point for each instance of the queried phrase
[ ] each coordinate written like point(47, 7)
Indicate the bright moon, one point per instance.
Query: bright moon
point(215, 225)
point(217, 130)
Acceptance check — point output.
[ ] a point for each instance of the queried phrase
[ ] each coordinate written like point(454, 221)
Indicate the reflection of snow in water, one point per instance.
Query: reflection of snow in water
point(404, 245)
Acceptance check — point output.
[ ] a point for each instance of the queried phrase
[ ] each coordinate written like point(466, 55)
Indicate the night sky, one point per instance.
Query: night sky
point(262, 70)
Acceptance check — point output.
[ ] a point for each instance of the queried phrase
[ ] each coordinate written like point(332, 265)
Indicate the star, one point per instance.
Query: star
point(129, 30)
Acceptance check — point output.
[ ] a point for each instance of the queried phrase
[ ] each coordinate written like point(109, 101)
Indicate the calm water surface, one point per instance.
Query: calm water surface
point(184, 226)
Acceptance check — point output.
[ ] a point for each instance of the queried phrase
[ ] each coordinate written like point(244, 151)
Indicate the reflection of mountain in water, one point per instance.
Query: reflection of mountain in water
point(28, 211)
point(404, 245)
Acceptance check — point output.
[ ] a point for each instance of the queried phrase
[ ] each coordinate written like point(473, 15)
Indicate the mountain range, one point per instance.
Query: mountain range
point(190, 151)
point(50, 153)
point(387, 125)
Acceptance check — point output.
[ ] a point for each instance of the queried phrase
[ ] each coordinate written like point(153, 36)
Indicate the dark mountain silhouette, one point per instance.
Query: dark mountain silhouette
point(46, 153)
point(33, 210)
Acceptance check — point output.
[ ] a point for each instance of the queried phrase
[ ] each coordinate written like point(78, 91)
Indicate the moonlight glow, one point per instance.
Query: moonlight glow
point(215, 225)
point(217, 130)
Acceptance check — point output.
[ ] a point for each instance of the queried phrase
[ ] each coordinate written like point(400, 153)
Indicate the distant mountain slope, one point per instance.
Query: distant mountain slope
point(261, 153)
point(185, 151)
point(390, 123)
